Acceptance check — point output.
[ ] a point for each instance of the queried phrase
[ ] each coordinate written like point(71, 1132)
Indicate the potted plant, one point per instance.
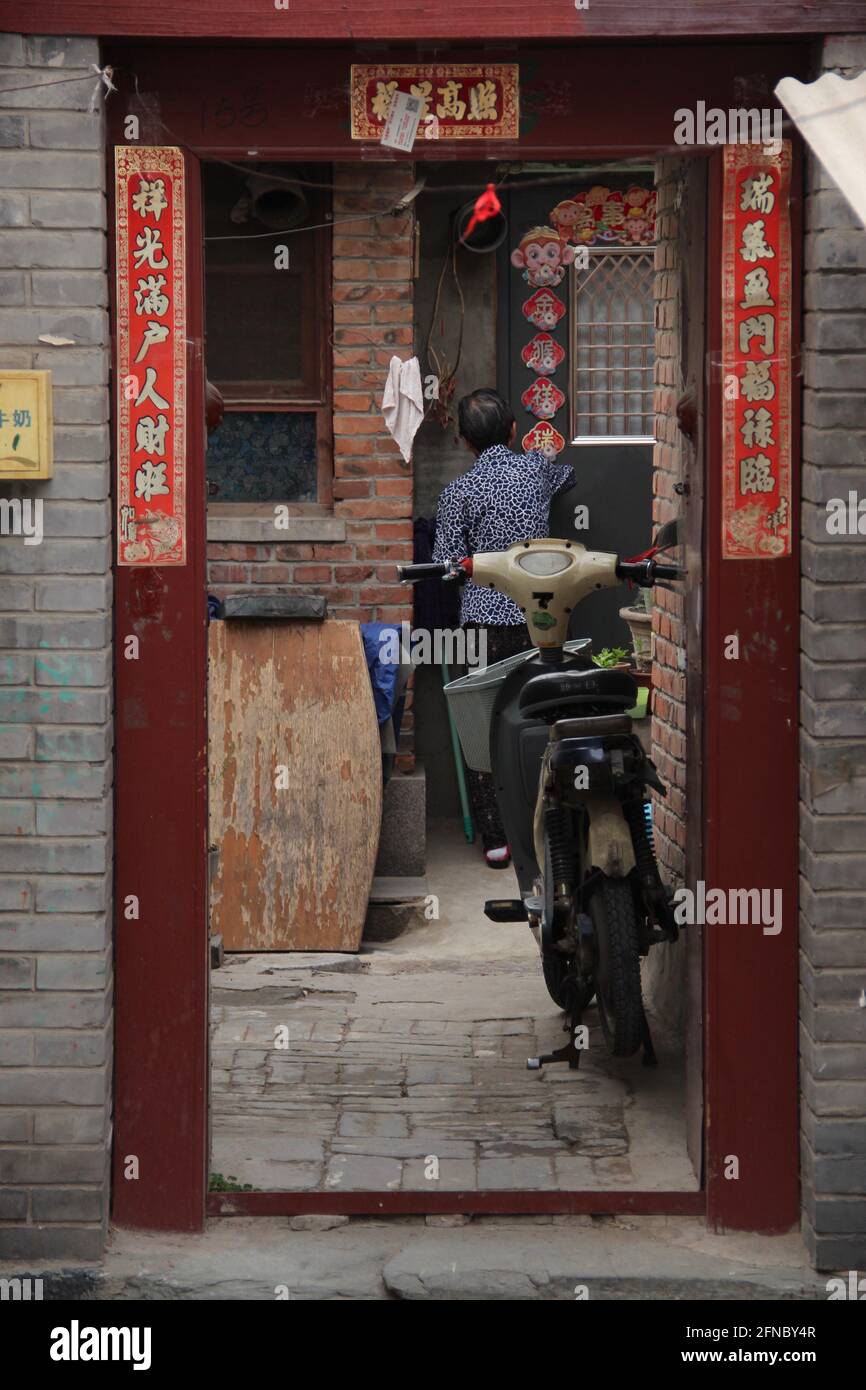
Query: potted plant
point(640, 621)
point(616, 657)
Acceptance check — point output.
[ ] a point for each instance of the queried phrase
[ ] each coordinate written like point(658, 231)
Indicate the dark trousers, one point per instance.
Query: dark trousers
point(502, 640)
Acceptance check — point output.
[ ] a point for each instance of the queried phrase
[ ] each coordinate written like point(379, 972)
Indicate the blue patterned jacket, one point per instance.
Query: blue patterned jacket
point(505, 497)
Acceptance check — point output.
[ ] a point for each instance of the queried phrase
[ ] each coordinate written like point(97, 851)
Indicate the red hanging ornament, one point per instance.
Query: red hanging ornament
point(486, 205)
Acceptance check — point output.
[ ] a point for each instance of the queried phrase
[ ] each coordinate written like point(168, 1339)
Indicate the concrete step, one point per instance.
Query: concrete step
point(533, 1258)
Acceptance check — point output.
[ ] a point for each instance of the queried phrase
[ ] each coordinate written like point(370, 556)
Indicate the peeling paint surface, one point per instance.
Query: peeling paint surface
point(295, 861)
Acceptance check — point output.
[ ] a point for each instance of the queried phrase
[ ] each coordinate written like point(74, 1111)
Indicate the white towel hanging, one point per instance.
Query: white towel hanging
point(403, 403)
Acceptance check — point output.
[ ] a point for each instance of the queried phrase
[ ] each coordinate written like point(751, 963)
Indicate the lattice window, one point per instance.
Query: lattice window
point(613, 347)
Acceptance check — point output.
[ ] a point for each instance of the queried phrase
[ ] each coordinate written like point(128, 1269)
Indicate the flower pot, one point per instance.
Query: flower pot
point(640, 626)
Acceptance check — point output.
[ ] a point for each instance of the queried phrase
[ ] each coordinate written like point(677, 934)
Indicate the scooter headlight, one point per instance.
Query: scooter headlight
point(544, 561)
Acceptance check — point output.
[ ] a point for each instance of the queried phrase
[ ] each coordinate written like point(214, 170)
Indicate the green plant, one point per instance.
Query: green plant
point(230, 1184)
point(611, 656)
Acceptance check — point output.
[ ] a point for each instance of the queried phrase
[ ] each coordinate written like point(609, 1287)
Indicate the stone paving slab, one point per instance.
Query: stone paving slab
point(416, 1049)
point(376, 1097)
point(362, 1173)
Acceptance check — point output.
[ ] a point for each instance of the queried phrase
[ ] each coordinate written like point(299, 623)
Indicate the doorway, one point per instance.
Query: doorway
point(403, 1066)
point(161, 1074)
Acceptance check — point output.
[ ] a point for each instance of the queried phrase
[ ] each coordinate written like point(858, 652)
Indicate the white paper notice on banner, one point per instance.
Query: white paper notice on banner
point(401, 126)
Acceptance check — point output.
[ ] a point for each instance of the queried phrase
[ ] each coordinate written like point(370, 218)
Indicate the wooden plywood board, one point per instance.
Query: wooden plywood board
point(295, 784)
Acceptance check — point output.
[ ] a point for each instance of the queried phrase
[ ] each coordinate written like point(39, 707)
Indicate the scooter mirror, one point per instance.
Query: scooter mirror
point(669, 535)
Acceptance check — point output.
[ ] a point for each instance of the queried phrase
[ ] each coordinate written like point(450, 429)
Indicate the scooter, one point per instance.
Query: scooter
point(572, 784)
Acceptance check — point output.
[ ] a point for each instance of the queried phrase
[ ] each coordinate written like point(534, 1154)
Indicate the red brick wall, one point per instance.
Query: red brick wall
point(669, 679)
point(373, 308)
point(372, 321)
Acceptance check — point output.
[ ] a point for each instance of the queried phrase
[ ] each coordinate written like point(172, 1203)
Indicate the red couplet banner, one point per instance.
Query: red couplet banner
point(756, 353)
point(151, 355)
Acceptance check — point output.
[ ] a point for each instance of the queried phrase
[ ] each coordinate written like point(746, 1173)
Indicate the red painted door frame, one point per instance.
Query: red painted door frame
point(162, 960)
point(751, 836)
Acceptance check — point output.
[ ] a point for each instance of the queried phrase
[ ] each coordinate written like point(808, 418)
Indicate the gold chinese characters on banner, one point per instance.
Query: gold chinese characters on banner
point(151, 356)
point(756, 354)
point(459, 101)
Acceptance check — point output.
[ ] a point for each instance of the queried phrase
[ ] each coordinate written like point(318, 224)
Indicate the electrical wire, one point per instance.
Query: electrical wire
point(54, 82)
point(310, 227)
point(445, 374)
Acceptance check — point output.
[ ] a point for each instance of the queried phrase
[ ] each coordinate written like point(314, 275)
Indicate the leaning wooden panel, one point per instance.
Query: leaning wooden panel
point(295, 785)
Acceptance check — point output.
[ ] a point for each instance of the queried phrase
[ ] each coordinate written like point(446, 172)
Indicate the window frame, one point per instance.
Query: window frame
point(574, 346)
point(319, 404)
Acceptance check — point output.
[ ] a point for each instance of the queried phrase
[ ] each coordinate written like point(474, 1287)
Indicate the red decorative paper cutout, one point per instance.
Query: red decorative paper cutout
point(604, 216)
point(543, 309)
point(543, 354)
point(543, 256)
point(543, 398)
point(545, 439)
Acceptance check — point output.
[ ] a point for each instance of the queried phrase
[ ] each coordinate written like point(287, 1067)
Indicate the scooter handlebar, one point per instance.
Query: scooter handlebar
point(410, 574)
point(647, 572)
point(643, 572)
point(452, 569)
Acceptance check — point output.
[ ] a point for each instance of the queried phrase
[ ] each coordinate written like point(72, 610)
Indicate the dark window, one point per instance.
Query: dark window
point(264, 456)
point(268, 315)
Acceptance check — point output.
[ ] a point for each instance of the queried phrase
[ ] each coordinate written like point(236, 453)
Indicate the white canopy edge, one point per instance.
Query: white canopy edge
point(830, 114)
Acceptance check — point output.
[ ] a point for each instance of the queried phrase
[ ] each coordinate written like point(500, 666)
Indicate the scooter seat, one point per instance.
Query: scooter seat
point(556, 692)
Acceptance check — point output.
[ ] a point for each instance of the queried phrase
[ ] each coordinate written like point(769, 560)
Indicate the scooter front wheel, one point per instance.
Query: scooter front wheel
point(620, 1006)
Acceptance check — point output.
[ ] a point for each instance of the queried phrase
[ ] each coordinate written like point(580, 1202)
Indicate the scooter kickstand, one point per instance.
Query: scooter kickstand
point(569, 1053)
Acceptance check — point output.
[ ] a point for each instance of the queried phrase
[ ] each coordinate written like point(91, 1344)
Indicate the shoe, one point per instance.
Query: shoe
point(498, 858)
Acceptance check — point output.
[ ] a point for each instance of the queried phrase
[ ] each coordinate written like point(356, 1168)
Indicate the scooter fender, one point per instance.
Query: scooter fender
point(610, 846)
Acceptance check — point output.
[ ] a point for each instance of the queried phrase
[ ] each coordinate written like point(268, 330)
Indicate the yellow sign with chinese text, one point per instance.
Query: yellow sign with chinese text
point(25, 425)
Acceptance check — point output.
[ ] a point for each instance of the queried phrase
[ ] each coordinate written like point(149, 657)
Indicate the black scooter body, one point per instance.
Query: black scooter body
point(517, 745)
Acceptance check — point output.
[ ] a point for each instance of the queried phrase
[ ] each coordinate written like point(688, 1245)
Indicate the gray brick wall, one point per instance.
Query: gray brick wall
point(55, 670)
point(833, 721)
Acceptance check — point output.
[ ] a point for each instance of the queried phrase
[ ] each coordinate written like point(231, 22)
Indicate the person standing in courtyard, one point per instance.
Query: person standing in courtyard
point(504, 497)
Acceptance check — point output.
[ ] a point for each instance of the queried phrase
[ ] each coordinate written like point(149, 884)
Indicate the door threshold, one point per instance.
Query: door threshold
point(611, 1203)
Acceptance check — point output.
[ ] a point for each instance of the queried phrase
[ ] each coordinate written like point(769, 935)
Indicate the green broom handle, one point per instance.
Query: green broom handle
point(468, 826)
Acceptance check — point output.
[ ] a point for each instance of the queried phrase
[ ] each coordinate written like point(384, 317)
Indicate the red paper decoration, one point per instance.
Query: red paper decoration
point(486, 205)
point(543, 398)
point(607, 216)
point(545, 439)
point(543, 354)
point(543, 309)
point(543, 256)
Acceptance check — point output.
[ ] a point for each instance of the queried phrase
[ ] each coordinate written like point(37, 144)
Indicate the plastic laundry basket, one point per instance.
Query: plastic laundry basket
point(471, 700)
